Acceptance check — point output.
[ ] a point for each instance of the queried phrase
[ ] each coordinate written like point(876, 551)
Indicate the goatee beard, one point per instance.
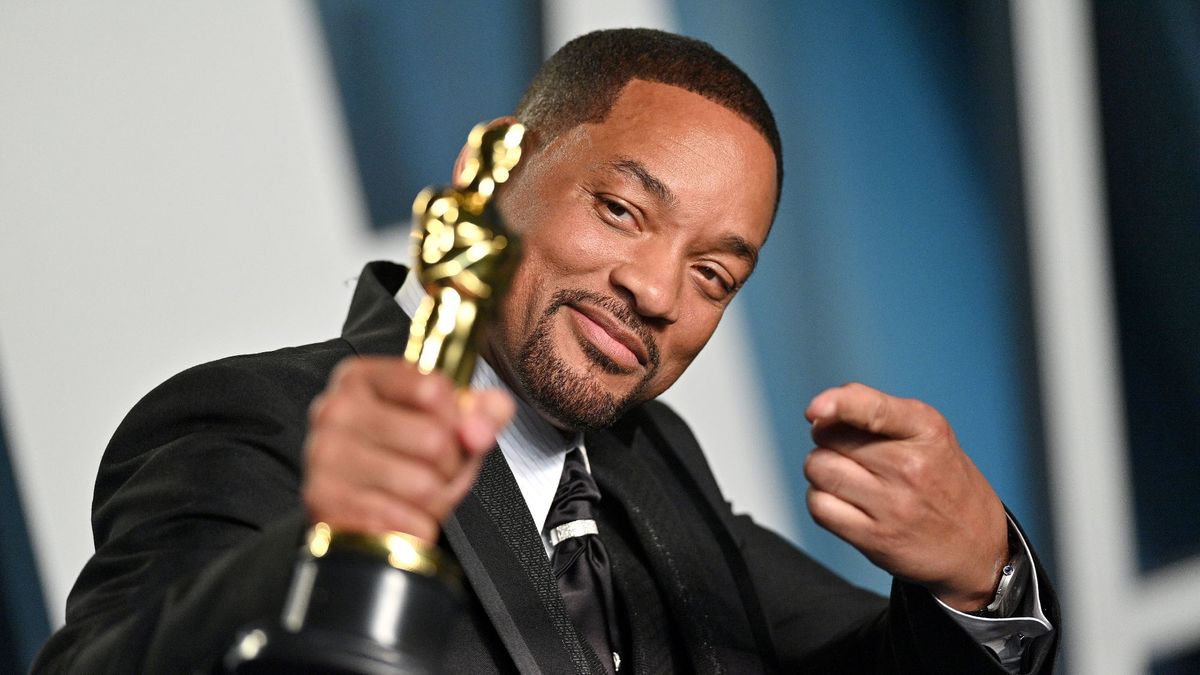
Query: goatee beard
point(579, 400)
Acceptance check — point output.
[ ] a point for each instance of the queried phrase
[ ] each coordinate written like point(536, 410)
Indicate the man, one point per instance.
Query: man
point(650, 185)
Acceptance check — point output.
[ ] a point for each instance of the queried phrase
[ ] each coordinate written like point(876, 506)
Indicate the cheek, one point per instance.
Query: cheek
point(565, 250)
point(678, 349)
point(520, 306)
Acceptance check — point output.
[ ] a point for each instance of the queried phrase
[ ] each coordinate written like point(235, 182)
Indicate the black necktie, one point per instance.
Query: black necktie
point(580, 562)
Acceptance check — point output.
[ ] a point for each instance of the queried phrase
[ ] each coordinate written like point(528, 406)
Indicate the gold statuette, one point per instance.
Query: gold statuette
point(385, 602)
point(463, 255)
point(463, 258)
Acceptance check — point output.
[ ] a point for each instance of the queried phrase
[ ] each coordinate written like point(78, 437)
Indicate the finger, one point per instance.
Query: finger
point(406, 481)
point(836, 435)
point(840, 517)
point(482, 414)
point(871, 410)
point(371, 512)
point(844, 478)
point(498, 406)
point(398, 382)
point(396, 430)
point(402, 478)
point(460, 486)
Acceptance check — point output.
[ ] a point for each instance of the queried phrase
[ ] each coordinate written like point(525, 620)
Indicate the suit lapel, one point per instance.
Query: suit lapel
point(681, 551)
point(500, 550)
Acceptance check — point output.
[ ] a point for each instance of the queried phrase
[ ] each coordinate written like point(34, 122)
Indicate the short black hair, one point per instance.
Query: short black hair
point(580, 83)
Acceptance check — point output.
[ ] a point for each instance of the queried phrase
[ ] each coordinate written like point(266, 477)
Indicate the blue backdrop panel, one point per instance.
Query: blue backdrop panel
point(415, 77)
point(897, 258)
point(23, 621)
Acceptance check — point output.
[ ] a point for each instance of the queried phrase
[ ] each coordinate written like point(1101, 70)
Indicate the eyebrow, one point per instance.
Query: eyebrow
point(638, 171)
point(730, 243)
point(738, 246)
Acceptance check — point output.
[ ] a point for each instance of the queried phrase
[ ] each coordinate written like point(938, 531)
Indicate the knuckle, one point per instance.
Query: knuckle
point(317, 450)
point(932, 423)
point(810, 464)
point(432, 389)
point(818, 505)
point(939, 427)
point(317, 405)
point(915, 468)
point(877, 421)
point(331, 411)
point(813, 501)
point(347, 371)
point(822, 472)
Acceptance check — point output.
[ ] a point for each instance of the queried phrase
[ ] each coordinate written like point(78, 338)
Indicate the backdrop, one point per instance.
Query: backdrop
point(179, 184)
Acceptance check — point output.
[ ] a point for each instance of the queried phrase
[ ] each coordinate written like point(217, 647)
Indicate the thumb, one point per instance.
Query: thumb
point(495, 405)
point(483, 413)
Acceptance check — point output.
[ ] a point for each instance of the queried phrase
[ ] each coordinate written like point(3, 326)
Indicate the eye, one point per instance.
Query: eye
point(716, 282)
point(615, 209)
point(615, 213)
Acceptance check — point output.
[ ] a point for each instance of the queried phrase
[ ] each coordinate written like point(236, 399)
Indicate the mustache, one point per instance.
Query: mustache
point(619, 310)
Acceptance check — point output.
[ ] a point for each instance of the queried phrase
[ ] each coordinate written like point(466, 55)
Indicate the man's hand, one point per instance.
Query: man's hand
point(389, 448)
point(888, 476)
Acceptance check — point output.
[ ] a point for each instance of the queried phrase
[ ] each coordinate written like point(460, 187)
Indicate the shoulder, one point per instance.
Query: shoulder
point(671, 436)
point(663, 428)
point(219, 418)
point(265, 383)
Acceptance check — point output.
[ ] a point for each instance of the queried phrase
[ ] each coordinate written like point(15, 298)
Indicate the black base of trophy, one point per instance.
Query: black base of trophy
point(351, 612)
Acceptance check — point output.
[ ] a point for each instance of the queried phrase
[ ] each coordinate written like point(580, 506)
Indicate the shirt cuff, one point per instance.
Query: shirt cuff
point(1007, 637)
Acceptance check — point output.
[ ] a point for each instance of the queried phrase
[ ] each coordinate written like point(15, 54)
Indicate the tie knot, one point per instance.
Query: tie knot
point(577, 496)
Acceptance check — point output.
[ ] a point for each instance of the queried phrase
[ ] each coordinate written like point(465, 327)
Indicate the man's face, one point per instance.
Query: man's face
point(637, 232)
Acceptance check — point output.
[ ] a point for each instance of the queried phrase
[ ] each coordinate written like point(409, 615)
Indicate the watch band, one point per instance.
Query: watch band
point(1013, 578)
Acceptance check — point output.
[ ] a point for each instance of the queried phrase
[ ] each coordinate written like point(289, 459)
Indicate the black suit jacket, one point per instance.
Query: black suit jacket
point(197, 520)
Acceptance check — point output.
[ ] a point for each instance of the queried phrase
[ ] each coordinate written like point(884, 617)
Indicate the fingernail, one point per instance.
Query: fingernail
point(821, 407)
point(497, 407)
point(468, 402)
point(478, 433)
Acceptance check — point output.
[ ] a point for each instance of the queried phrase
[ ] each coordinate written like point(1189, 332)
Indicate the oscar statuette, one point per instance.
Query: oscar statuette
point(385, 603)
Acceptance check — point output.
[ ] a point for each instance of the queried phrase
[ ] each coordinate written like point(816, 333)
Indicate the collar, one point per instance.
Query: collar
point(534, 449)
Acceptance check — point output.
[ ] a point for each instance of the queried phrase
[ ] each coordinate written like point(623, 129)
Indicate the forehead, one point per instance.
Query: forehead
point(717, 165)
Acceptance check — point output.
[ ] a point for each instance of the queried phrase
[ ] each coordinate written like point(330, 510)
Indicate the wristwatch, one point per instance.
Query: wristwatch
point(1013, 578)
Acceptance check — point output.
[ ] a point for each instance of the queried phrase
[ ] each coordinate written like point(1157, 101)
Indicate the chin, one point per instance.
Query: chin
point(570, 390)
point(571, 380)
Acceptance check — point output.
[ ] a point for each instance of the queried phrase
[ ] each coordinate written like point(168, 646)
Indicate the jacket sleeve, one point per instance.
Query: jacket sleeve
point(197, 521)
point(819, 622)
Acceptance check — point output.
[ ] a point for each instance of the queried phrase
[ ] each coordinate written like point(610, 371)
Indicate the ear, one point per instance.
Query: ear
point(465, 152)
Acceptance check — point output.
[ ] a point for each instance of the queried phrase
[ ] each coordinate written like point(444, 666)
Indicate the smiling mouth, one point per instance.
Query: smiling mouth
point(606, 341)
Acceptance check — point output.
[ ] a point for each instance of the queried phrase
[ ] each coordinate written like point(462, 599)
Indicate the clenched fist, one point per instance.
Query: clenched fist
point(889, 477)
point(389, 448)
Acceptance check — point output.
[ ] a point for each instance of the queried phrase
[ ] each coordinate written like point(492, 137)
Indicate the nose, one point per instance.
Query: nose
point(654, 283)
